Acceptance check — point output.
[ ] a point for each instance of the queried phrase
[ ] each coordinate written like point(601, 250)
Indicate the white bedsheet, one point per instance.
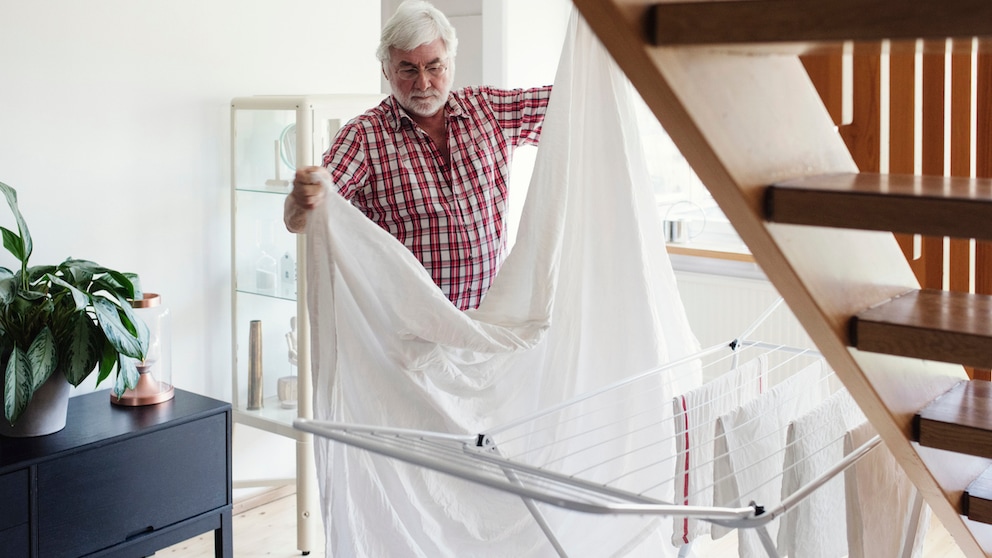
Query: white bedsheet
point(586, 297)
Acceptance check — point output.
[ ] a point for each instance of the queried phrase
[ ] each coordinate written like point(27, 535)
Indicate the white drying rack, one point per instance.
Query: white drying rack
point(521, 457)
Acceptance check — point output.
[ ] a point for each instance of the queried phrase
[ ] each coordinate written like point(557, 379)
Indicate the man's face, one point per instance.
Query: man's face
point(421, 78)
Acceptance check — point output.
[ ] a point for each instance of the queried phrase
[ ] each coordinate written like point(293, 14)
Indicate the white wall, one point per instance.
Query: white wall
point(114, 129)
point(114, 125)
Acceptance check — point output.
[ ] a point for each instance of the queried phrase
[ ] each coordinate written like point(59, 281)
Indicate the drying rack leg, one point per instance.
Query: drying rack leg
point(767, 542)
point(532, 508)
point(912, 525)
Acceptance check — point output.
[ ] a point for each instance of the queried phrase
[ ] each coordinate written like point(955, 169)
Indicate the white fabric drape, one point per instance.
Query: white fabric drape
point(586, 297)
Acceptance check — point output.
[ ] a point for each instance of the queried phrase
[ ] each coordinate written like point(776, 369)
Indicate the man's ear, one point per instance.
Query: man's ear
point(384, 74)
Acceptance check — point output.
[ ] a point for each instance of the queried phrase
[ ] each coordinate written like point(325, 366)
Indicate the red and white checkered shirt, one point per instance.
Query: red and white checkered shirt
point(451, 218)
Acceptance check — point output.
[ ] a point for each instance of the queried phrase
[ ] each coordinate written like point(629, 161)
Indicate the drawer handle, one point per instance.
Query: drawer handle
point(139, 532)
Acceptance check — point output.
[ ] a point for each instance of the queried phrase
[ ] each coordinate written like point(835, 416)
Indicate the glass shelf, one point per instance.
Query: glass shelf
point(280, 191)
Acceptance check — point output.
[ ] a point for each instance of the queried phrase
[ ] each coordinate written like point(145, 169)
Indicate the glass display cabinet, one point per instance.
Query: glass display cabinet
point(270, 137)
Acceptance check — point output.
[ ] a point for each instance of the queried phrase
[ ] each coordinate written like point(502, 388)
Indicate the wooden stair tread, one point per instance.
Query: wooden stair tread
point(929, 324)
point(978, 498)
point(930, 205)
point(959, 420)
point(756, 22)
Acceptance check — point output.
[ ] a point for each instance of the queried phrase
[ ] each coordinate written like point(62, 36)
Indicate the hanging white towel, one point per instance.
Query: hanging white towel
point(695, 413)
point(586, 297)
point(817, 526)
point(749, 447)
point(879, 500)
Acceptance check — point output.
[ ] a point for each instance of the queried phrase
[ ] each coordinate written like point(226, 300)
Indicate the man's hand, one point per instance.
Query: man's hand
point(308, 192)
point(308, 186)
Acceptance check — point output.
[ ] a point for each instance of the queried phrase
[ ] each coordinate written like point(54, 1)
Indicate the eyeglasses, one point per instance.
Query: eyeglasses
point(410, 73)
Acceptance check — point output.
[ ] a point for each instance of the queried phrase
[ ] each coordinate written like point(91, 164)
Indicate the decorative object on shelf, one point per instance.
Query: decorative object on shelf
point(287, 276)
point(255, 365)
point(155, 371)
point(287, 386)
point(266, 266)
point(285, 148)
point(61, 322)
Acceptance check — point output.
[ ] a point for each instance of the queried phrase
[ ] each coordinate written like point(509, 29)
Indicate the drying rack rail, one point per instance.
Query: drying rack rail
point(611, 451)
point(476, 459)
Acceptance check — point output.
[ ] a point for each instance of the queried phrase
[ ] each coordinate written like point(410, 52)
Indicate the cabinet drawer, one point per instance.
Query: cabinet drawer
point(103, 496)
point(14, 542)
point(14, 495)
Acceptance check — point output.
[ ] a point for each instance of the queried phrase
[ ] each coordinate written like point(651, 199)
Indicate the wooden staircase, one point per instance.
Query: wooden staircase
point(725, 80)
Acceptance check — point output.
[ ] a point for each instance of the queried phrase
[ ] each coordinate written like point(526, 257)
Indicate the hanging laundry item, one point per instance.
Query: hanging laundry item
point(696, 412)
point(814, 444)
point(880, 499)
point(587, 296)
point(749, 447)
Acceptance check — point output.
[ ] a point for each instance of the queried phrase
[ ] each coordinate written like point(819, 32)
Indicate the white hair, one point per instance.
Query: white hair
point(416, 23)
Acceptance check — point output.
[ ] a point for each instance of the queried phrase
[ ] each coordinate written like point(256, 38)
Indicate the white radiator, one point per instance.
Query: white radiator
point(720, 308)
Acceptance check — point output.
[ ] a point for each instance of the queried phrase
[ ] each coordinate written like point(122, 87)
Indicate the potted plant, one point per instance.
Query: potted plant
point(59, 324)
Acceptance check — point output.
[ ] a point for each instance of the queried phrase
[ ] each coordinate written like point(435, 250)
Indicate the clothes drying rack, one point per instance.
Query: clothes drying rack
point(521, 457)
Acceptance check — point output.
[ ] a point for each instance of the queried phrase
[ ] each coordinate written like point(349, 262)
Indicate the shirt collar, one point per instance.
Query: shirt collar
point(395, 115)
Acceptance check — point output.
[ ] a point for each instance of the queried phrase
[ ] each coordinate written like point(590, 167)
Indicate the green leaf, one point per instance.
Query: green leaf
point(127, 375)
point(116, 286)
point(108, 358)
point(38, 272)
point(108, 315)
point(8, 288)
point(13, 243)
point(41, 357)
point(135, 325)
point(80, 298)
point(124, 286)
point(136, 286)
point(22, 226)
point(78, 272)
point(82, 349)
point(17, 390)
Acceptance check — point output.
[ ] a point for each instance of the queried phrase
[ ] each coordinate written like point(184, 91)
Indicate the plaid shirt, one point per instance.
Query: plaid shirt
point(450, 217)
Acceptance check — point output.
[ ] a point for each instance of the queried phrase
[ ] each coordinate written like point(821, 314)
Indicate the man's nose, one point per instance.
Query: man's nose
point(423, 81)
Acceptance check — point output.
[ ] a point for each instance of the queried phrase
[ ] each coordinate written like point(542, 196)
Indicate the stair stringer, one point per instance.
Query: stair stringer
point(744, 121)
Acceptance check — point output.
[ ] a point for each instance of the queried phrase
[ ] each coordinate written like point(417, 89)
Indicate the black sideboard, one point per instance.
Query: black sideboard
point(119, 481)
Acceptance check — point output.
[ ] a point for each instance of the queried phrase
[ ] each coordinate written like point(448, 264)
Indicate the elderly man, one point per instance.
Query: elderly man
point(430, 165)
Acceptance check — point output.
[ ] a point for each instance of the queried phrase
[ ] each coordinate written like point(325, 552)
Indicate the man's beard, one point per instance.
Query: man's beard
point(424, 103)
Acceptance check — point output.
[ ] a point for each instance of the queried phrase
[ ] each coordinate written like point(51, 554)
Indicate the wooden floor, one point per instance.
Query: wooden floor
point(266, 530)
point(270, 530)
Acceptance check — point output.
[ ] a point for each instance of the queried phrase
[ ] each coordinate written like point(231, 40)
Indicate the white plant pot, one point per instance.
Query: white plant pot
point(45, 413)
